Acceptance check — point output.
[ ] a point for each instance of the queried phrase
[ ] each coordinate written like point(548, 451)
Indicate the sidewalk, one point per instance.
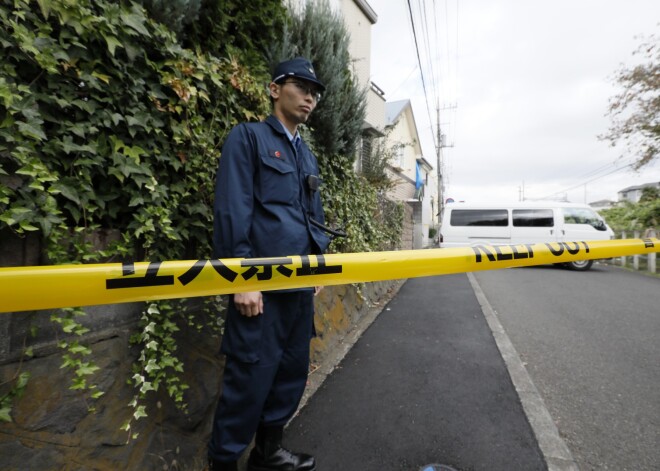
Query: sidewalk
point(425, 384)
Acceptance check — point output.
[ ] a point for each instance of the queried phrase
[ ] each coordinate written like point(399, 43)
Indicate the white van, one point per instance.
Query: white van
point(470, 224)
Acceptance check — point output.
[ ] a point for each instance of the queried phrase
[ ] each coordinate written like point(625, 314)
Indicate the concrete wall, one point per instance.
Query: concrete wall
point(375, 111)
point(419, 239)
point(359, 29)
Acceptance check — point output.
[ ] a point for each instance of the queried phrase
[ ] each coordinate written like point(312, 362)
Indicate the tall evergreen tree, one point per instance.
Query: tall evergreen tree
point(175, 14)
point(319, 34)
point(238, 27)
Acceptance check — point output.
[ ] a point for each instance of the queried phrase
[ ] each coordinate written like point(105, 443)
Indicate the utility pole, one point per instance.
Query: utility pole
point(441, 144)
point(438, 151)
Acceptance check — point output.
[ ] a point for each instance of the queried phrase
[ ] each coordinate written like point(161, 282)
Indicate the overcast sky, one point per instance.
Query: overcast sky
point(523, 87)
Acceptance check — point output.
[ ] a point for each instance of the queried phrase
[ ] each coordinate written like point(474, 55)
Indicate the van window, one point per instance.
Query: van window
point(584, 216)
point(533, 218)
point(479, 217)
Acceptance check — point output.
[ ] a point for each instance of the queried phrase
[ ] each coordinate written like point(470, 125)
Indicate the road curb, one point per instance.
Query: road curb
point(557, 455)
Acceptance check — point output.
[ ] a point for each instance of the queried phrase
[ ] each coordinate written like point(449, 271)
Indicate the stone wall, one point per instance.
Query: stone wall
point(408, 227)
point(52, 426)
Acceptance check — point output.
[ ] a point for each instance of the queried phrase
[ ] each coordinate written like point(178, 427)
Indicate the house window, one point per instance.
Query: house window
point(365, 154)
point(400, 157)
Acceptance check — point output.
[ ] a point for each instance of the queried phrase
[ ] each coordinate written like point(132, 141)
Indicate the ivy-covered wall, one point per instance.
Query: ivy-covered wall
point(107, 122)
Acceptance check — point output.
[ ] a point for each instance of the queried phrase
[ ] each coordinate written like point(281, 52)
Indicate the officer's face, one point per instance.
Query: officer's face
point(294, 100)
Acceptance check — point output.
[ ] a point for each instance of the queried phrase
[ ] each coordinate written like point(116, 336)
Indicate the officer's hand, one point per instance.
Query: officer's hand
point(317, 290)
point(249, 304)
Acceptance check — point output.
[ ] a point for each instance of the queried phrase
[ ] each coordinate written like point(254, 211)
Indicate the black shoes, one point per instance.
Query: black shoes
point(268, 454)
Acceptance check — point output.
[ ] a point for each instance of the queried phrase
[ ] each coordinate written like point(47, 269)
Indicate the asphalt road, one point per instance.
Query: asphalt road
point(425, 384)
point(591, 344)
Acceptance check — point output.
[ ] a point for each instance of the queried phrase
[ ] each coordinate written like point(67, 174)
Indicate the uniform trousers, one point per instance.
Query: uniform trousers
point(266, 368)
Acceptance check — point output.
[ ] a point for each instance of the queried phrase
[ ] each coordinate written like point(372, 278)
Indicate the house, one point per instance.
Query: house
point(413, 174)
point(602, 204)
point(634, 193)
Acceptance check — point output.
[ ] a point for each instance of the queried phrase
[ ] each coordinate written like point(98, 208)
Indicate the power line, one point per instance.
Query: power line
point(404, 80)
point(425, 32)
point(419, 60)
point(604, 167)
point(455, 71)
point(618, 169)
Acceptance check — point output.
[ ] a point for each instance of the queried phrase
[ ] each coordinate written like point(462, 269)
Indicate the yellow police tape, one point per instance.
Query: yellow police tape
point(50, 287)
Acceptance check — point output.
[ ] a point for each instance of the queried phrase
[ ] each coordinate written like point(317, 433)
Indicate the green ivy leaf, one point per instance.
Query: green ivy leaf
point(26, 226)
point(151, 366)
point(69, 192)
point(135, 21)
point(140, 412)
point(77, 348)
point(103, 77)
point(86, 369)
point(5, 412)
point(78, 383)
point(113, 43)
point(30, 130)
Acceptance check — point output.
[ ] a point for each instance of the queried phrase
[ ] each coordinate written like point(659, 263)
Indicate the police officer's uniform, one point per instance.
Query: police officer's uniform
point(263, 208)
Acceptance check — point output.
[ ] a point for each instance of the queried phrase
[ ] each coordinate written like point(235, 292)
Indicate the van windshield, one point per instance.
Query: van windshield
point(584, 216)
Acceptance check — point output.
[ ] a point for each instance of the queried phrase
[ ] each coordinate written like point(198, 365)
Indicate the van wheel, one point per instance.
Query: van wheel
point(580, 265)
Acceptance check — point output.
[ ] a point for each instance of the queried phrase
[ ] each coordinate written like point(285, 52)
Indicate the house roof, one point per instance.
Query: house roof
point(639, 187)
point(393, 110)
point(601, 203)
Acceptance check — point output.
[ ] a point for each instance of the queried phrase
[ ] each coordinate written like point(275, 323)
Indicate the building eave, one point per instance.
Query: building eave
point(425, 163)
point(367, 10)
point(372, 130)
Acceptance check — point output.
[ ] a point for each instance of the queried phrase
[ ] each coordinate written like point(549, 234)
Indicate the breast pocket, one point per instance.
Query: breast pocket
point(277, 181)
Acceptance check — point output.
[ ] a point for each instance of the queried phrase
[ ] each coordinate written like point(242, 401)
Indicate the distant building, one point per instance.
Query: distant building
point(634, 193)
point(602, 204)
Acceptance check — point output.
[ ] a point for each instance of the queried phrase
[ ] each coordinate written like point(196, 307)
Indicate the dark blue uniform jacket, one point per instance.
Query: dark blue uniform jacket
point(262, 200)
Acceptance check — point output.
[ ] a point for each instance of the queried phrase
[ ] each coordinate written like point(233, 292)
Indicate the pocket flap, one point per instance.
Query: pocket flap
point(277, 163)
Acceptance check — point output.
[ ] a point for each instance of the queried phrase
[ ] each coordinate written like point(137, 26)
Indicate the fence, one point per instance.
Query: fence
point(645, 262)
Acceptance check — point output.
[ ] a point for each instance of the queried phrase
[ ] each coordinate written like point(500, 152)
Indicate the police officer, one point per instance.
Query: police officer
point(267, 204)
